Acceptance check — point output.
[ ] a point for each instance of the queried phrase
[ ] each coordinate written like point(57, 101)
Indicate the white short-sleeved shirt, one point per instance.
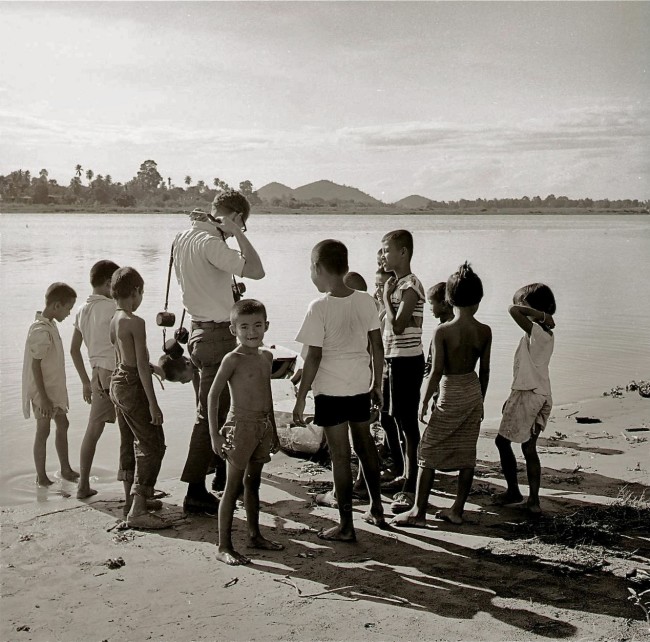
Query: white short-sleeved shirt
point(530, 370)
point(204, 266)
point(409, 343)
point(93, 320)
point(340, 326)
point(44, 343)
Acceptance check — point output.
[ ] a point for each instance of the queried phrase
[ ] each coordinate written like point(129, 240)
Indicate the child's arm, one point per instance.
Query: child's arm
point(226, 370)
point(309, 370)
point(398, 319)
point(77, 359)
point(139, 334)
point(522, 315)
point(275, 446)
point(484, 364)
point(377, 354)
point(437, 370)
point(46, 405)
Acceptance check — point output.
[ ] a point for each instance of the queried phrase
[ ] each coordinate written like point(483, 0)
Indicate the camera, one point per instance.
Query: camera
point(238, 290)
point(182, 335)
point(166, 319)
point(173, 348)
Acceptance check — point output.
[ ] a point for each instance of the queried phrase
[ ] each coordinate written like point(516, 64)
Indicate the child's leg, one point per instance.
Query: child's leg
point(234, 480)
point(40, 449)
point(364, 446)
point(61, 443)
point(509, 468)
point(534, 472)
point(339, 447)
point(126, 466)
point(88, 446)
point(392, 433)
point(418, 514)
point(252, 481)
point(455, 513)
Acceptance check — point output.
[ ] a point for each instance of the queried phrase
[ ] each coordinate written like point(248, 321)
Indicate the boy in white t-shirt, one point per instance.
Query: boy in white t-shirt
point(91, 327)
point(335, 334)
point(528, 407)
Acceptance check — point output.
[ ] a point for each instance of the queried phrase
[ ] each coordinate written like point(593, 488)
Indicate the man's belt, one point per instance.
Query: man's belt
point(210, 324)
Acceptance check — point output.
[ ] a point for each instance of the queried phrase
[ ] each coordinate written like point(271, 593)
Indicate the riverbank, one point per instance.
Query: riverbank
point(69, 573)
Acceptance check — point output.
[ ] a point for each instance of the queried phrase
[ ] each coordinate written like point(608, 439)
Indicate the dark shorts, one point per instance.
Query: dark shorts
point(332, 411)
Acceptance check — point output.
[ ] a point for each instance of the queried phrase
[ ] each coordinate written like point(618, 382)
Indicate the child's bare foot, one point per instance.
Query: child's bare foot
point(146, 521)
point(327, 499)
point(83, 493)
point(451, 517)
point(231, 557)
point(375, 519)
point(503, 499)
point(409, 519)
point(337, 534)
point(534, 509)
point(259, 541)
point(44, 481)
point(152, 504)
point(70, 475)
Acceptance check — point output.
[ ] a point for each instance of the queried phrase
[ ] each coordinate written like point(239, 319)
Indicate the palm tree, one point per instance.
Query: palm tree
point(169, 182)
point(188, 180)
point(108, 180)
point(89, 175)
point(78, 169)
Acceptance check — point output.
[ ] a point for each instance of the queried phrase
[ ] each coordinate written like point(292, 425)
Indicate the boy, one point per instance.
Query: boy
point(91, 327)
point(142, 444)
point(335, 335)
point(442, 311)
point(355, 281)
point(449, 440)
point(404, 304)
point(44, 386)
point(249, 435)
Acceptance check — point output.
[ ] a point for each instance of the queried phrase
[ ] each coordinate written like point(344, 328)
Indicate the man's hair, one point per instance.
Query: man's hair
point(173, 368)
point(101, 272)
point(125, 281)
point(401, 238)
point(59, 293)
point(355, 281)
point(464, 287)
point(331, 255)
point(234, 201)
point(245, 307)
point(536, 295)
point(437, 292)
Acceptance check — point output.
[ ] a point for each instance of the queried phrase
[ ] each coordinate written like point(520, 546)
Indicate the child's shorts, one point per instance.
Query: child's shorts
point(522, 411)
point(101, 406)
point(38, 413)
point(332, 411)
point(249, 438)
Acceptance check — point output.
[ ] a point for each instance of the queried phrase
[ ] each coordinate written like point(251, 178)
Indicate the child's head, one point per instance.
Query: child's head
point(180, 369)
point(464, 287)
point(397, 249)
point(355, 281)
point(126, 282)
point(380, 257)
point(436, 297)
point(60, 299)
point(381, 276)
point(248, 322)
point(101, 274)
point(536, 295)
point(329, 260)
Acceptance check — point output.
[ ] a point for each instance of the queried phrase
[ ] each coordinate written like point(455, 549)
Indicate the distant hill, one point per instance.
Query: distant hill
point(413, 202)
point(275, 190)
point(327, 190)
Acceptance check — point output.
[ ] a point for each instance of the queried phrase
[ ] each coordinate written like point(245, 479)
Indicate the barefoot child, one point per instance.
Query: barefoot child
point(249, 435)
point(449, 440)
point(140, 419)
point(44, 386)
point(442, 311)
point(528, 407)
point(335, 335)
point(91, 327)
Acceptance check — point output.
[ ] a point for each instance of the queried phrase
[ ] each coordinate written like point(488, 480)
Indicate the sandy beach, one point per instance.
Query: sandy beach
point(70, 573)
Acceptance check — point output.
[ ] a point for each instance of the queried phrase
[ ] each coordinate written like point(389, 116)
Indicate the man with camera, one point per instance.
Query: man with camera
point(205, 267)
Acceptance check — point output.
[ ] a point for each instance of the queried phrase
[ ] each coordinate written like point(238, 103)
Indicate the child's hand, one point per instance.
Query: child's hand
point(156, 414)
point(46, 407)
point(275, 443)
point(389, 287)
point(548, 321)
point(425, 409)
point(87, 392)
point(298, 410)
point(377, 397)
point(219, 444)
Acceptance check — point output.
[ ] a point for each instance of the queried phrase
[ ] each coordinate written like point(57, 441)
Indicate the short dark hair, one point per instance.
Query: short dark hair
point(401, 238)
point(437, 292)
point(125, 281)
point(355, 281)
point(101, 272)
point(234, 201)
point(173, 368)
point(536, 295)
point(332, 255)
point(245, 307)
point(464, 287)
point(59, 293)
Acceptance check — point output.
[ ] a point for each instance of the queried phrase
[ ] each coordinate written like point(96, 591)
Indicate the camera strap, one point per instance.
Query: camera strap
point(169, 278)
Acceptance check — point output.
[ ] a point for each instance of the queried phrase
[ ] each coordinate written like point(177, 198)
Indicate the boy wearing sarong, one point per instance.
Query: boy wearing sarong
point(449, 441)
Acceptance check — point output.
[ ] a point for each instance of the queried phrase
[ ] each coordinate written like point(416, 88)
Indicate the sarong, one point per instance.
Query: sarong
point(449, 441)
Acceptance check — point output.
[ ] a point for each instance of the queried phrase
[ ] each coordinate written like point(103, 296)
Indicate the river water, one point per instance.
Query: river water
point(597, 265)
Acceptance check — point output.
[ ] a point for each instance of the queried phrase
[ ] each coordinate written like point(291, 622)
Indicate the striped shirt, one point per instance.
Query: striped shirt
point(409, 343)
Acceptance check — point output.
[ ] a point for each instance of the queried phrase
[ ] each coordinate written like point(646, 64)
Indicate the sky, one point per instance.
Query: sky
point(447, 100)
